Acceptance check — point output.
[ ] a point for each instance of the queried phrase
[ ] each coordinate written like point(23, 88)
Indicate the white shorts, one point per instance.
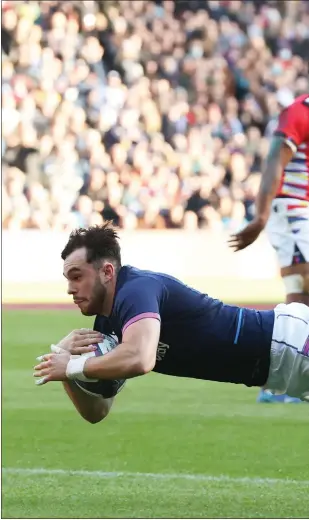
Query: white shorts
point(289, 358)
point(288, 230)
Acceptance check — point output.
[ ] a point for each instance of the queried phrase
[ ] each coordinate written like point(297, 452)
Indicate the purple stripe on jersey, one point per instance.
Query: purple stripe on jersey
point(141, 317)
point(306, 348)
point(291, 220)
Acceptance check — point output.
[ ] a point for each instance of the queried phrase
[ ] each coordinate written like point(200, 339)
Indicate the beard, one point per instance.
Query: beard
point(96, 301)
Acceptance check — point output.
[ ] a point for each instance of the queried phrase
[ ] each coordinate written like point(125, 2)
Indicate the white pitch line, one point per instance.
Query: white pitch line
point(155, 476)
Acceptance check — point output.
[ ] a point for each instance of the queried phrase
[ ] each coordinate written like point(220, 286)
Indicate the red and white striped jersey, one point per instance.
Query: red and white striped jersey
point(294, 127)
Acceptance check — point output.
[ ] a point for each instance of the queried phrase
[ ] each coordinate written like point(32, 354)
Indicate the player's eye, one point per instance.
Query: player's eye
point(76, 278)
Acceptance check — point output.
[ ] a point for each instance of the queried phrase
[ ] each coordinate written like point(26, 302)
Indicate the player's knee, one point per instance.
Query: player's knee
point(296, 283)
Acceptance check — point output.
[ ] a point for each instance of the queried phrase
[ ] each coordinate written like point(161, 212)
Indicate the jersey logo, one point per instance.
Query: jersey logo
point(161, 351)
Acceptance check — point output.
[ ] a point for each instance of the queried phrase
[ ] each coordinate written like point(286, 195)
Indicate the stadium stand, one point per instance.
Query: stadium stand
point(152, 114)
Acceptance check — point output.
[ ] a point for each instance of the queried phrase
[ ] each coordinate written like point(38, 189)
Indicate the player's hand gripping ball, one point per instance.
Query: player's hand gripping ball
point(106, 388)
point(52, 367)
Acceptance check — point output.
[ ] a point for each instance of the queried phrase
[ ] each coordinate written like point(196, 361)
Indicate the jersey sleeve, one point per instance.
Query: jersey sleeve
point(293, 125)
point(137, 300)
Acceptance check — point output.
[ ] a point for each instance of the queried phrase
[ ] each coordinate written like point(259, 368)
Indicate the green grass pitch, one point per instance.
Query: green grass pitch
point(170, 448)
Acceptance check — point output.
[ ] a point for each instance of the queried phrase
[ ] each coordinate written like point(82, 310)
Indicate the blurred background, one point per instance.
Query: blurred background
point(156, 115)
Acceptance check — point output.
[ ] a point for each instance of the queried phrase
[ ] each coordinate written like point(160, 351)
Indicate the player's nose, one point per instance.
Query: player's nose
point(71, 289)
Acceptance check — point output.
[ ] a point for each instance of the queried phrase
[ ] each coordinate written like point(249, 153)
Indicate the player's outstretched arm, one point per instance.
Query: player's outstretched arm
point(92, 408)
point(280, 154)
point(135, 356)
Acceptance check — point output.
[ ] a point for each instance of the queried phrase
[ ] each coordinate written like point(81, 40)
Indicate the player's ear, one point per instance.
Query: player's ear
point(107, 270)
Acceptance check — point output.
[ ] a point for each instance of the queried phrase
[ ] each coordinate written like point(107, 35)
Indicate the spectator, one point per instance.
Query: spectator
point(152, 114)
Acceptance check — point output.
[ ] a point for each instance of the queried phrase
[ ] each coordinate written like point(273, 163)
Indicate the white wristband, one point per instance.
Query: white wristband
point(75, 369)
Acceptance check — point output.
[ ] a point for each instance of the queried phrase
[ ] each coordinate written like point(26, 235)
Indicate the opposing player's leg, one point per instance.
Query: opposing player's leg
point(288, 231)
point(296, 280)
point(289, 365)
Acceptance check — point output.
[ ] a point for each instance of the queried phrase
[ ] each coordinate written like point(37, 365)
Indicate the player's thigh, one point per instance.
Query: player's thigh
point(296, 275)
point(278, 233)
point(289, 235)
point(298, 229)
point(288, 232)
point(289, 371)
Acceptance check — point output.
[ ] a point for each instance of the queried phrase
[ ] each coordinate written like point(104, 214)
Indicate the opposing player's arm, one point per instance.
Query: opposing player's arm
point(92, 408)
point(291, 131)
point(135, 356)
point(279, 156)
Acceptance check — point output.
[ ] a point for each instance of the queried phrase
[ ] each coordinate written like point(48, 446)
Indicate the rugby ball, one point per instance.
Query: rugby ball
point(106, 388)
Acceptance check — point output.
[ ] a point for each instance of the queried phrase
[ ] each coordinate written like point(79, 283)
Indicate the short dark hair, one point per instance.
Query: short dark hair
point(100, 242)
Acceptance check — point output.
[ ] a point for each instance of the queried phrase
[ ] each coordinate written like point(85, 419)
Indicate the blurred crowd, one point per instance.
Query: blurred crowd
point(152, 114)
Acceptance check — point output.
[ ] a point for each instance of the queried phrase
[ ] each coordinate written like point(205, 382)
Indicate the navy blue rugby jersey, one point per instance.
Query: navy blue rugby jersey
point(200, 337)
